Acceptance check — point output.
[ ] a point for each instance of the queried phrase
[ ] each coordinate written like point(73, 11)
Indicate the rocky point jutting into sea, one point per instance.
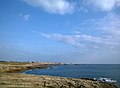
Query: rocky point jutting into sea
point(9, 78)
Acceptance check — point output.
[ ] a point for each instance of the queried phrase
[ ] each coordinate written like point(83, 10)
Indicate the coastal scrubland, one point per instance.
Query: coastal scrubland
point(11, 78)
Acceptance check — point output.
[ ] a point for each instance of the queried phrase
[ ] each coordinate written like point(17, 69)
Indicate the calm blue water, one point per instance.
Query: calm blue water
point(82, 71)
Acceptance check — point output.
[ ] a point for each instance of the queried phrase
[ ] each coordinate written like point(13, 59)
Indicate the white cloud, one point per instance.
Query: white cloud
point(104, 5)
point(108, 27)
point(53, 6)
point(77, 32)
point(80, 40)
point(68, 7)
point(102, 48)
point(70, 39)
point(25, 16)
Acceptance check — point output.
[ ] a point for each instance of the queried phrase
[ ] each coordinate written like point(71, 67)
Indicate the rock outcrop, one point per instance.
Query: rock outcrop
point(10, 79)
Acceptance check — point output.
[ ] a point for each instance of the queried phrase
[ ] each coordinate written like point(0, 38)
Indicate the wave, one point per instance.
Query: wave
point(109, 80)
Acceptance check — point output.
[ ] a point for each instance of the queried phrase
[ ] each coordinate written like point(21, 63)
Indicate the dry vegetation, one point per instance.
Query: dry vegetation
point(10, 79)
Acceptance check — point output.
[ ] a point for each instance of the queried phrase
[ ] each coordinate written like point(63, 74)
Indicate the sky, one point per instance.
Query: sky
point(70, 31)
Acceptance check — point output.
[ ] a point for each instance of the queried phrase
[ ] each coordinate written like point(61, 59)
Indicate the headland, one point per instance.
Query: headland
point(11, 78)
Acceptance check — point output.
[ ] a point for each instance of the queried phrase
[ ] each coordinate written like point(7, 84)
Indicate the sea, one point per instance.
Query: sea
point(96, 71)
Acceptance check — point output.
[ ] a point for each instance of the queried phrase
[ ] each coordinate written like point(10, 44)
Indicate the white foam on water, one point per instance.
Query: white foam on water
point(23, 73)
point(109, 80)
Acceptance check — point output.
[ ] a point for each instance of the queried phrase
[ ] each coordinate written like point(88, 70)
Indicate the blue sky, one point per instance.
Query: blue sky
point(71, 31)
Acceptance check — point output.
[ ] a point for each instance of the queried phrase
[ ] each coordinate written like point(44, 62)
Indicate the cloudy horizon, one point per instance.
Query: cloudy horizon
point(70, 31)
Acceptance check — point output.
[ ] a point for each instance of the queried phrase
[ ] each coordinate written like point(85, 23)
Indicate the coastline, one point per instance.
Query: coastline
point(10, 78)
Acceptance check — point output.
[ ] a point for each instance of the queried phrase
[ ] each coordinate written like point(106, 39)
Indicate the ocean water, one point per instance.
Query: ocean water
point(82, 71)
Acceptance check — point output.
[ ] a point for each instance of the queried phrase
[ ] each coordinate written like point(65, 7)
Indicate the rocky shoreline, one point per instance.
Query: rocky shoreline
point(11, 67)
point(10, 79)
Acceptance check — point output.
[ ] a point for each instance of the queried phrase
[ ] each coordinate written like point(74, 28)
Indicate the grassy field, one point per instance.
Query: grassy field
point(10, 79)
point(11, 67)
